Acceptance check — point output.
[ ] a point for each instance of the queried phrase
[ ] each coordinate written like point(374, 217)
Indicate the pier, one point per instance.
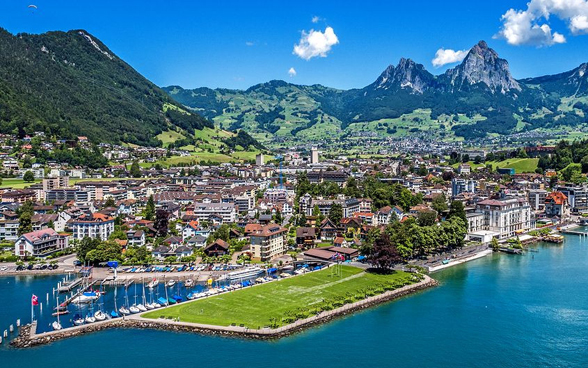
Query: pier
point(80, 292)
point(66, 287)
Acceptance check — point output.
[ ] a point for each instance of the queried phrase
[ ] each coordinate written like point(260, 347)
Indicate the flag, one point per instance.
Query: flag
point(35, 300)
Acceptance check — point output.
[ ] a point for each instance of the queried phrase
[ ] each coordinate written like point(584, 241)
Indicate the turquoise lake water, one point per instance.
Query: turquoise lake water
point(499, 311)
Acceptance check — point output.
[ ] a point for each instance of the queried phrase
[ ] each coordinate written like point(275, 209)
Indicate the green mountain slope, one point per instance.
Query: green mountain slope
point(477, 99)
point(70, 84)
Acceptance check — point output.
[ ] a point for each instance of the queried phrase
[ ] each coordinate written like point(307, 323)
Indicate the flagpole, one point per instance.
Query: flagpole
point(32, 311)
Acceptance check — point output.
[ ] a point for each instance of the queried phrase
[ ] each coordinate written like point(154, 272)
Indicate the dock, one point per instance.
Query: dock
point(66, 287)
point(80, 292)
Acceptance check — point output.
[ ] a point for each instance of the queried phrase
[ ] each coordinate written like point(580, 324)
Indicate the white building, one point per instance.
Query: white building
point(507, 216)
point(40, 243)
point(96, 226)
point(314, 156)
point(226, 211)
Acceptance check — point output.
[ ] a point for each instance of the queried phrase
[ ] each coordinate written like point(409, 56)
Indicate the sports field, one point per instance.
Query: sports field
point(281, 302)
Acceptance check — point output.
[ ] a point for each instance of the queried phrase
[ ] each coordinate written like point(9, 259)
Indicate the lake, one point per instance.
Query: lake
point(503, 310)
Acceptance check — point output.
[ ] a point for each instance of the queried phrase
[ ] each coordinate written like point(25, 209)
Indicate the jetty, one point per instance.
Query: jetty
point(80, 292)
point(68, 286)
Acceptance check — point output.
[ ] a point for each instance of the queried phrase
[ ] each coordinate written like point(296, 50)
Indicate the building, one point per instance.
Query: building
point(40, 243)
point(306, 236)
point(556, 205)
point(218, 248)
point(464, 169)
point(268, 242)
point(136, 238)
point(67, 194)
point(227, 212)
point(314, 155)
point(506, 217)
point(475, 222)
point(349, 206)
point(338, 177)
point(459, 185)
point(9, 230)
point(537, 199)
point(56, 182)
point(259, 159)
point(95, 226)
point(577, 197)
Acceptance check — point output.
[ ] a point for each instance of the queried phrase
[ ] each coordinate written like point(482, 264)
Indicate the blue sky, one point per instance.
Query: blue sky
point(236, 44)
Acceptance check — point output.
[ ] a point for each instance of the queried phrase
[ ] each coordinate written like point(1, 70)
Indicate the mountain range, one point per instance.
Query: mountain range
point(477, 98)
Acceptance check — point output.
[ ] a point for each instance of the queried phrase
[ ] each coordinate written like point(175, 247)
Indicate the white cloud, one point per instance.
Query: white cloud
point(315, 43)
point(529, 26)
point(249, 43)
point(292, 72)
point(448, 56)
point(316, 19)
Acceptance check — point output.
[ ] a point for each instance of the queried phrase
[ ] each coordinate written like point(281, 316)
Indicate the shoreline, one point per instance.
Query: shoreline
point(456, 262)
point(28, 337)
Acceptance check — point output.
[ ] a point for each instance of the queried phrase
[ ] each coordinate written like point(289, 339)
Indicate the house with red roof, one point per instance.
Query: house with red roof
point(40, 243)
point(556, 205)
point(96, 225)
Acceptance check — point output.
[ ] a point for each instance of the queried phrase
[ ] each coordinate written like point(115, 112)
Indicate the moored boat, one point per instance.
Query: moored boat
point(134, 309)
point(56, 326)
point(245, 273)
point(100, 316)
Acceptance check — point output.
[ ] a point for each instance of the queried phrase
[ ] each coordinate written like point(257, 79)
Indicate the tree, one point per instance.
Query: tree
point(439, 203)
point(150, 209)
point(384, 254)
point(456, 209)
point(278, 217)
point(109, 202)
point(336, 213)
point(85, 246)
point(494, 244)
point(28, 177)
point(135, 170)
point(25, 215)
point(302, 220)
point(161, 222)
point(427, 218)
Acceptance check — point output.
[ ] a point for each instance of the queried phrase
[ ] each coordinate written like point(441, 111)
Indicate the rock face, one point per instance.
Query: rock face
point(406, 75)
point(481, 66)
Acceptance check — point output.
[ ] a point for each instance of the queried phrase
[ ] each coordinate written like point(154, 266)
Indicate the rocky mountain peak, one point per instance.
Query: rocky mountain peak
point(406, 75)
point(482, 65)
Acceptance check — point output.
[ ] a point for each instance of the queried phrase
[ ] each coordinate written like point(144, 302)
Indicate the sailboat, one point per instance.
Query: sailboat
point(155, 303)
point(56, 325)
point(171, 283)
point(114, 313)
point(189, 283)
point(134, 308)
point(153, 283)
point(124, 310)
point(78, 320)
point(142, 306)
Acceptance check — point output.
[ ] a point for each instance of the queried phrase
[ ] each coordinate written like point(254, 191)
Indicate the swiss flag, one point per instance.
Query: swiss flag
point(35, 300)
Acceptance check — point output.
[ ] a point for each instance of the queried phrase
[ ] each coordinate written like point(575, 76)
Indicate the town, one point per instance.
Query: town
point(58, 200)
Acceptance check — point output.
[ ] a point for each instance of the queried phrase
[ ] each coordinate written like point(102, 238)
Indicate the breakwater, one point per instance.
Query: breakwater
point(28, 337)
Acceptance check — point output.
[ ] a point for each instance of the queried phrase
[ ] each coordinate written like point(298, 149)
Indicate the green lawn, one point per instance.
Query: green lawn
point(16, 183)
point(521, 165)
point(255, 307)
